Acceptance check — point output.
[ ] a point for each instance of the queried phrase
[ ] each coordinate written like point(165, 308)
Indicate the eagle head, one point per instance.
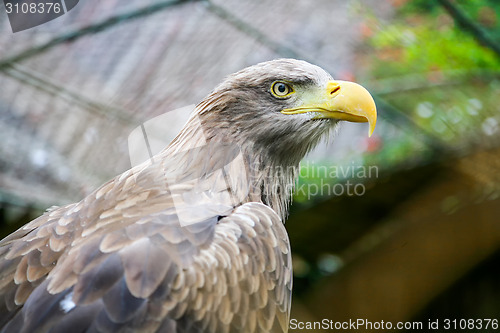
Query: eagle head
point(283, 107)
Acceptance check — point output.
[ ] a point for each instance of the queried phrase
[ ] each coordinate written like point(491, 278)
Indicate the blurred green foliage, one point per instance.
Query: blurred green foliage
point(442, 84)
point(425, 48)
point(437, 75)
point(424, 38)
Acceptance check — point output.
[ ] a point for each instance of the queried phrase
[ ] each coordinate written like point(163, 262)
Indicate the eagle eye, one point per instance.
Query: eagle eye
point(281, 89)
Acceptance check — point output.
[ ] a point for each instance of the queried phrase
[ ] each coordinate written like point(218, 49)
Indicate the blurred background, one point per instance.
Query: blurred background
point(401, 226)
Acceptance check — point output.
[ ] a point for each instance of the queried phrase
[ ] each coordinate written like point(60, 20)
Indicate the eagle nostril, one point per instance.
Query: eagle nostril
point(334, 90)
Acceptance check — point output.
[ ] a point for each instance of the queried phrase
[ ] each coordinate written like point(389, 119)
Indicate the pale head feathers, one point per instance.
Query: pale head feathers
point(243, 111)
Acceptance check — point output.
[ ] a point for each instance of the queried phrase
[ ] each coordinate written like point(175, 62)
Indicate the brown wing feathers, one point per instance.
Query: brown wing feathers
point(191, 241)
point(146, 273)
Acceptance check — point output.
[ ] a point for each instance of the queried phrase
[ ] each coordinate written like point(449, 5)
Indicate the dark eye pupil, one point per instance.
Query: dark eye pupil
point(281, 88)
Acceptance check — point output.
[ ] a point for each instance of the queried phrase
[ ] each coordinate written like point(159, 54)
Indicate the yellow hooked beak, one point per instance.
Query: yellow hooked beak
point(340, 100)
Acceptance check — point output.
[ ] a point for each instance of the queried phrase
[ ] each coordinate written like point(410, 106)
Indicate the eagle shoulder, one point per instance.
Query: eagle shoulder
point(227, 273)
